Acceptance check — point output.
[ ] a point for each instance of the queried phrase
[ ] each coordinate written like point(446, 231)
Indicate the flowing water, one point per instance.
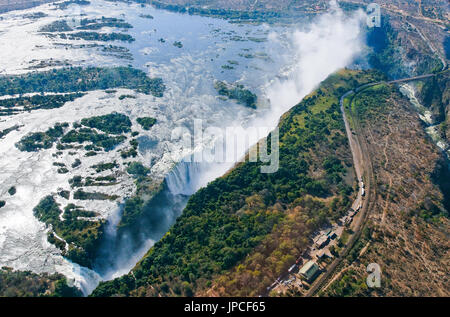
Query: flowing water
point(280, 64)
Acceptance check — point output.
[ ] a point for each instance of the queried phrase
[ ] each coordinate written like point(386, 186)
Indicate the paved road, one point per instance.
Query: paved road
point(363, 169)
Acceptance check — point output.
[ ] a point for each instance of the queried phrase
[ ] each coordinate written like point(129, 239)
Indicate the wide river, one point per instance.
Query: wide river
point(280, 64)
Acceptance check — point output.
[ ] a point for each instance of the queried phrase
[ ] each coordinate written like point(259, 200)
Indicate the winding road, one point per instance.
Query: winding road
point(364, 172)
point(363, 169)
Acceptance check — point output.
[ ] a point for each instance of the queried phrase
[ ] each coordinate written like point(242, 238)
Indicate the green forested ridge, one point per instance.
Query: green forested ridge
point(75, 79)
point(225, 221)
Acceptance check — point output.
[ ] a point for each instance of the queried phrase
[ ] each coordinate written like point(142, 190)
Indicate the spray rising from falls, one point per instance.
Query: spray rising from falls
point(184, 178)
point(330, 43)
point(312, 53)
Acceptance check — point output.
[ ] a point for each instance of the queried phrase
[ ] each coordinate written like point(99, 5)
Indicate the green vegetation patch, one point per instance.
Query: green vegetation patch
point(82, 195)
point(81, 235)
point(35, 15)
point(41, 140)
point(178, 44)
point(94, 36)
point(76, 79)
point(64, 193)
point(77, 181)
point(235, 16)
point(65, 4)
point(56, 26)
point(28, 284)
point(122, 97)
point(137, 169)
point(132, 152)
point(98, 139)
point(21, 104)
point(237, 93)
point(105, 166)
point(8, 130)
point(96, 24)
point(146, 122)
point(114, 123)
point(12, 190)
point(76, 163)
point(132, 210)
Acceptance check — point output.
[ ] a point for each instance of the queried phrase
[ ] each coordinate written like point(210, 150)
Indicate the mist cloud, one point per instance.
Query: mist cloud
point(330, 43)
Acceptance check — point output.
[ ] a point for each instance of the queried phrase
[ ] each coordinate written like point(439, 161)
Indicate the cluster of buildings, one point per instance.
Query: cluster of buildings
point(353, 212)
point(310, 270)
point(323, 240)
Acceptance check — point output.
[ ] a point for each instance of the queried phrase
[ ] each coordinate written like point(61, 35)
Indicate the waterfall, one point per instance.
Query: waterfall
point(184, 179)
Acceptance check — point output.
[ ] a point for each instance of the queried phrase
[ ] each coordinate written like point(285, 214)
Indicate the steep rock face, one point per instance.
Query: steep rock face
point(398, 49)
point(434, 93)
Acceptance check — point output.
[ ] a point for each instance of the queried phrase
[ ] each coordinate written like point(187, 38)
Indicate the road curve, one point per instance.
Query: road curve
point(363, 170)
